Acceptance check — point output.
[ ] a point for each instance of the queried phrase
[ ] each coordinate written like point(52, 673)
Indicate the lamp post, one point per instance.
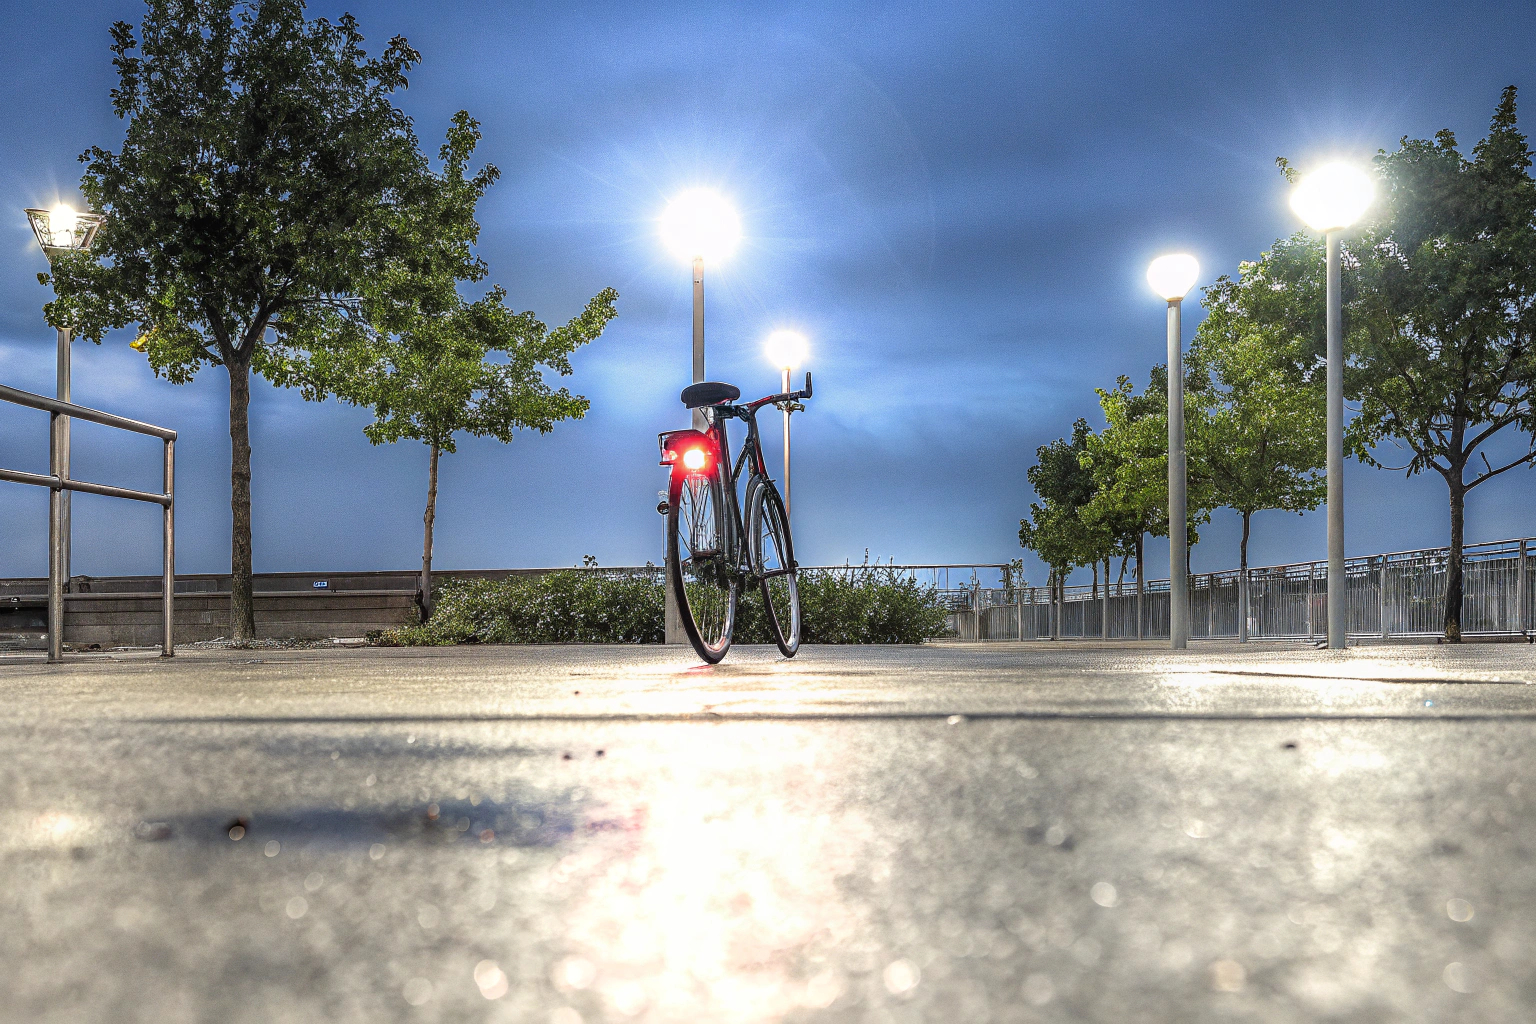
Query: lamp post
point(697, 225)
point(61, 231)
point(1330, 199)
point(1172, 277)
point(786, 350)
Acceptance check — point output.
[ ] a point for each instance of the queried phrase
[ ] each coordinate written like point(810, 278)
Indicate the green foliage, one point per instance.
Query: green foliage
point(430, 370)
point(265, 177)
point(857, 605)
point(1261, 436)
point(1064, 484)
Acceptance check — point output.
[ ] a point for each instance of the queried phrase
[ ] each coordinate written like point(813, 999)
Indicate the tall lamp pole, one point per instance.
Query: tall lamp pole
point(786, 350)
point(1330, 199)
point(697, 225)
point(61, 231)
point(1172, 277)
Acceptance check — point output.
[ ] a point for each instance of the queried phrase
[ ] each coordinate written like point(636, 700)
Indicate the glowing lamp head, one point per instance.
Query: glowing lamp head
point(786, 349)
point(1173, 276)
point(1333, 197)
point(695, 459)
point(62, 220)
point(700, 224)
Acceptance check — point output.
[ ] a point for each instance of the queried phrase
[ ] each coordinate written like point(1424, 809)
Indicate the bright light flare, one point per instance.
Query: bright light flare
point(695, 459)
point(1174, 275)
point(62, 221)
point(1333, 197)
point(700, 224)
point(786, 349)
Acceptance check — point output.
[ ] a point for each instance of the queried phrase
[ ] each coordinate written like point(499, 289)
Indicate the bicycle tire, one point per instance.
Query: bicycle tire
point(700, 567)
point(772, 550)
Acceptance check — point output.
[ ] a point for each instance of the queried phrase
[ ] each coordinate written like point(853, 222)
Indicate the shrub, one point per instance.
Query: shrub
point(854, 605)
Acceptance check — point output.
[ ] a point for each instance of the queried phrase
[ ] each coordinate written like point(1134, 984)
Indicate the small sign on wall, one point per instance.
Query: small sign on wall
point(322, 584)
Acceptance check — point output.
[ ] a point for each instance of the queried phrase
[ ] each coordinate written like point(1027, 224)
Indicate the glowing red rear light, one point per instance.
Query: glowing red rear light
point(695, 459)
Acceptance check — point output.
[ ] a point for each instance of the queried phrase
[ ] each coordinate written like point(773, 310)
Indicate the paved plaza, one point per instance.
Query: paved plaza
point(977, 833)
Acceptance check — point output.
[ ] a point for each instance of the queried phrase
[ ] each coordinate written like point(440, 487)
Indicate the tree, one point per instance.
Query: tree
point(473, 369)
point(1440, 313)
point(1054, 529)
point(430, 372)
point(1129, 462)
point(265, 180)
point(1262, 438)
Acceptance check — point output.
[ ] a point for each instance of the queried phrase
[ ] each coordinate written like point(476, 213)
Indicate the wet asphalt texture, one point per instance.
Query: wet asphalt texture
point(977, 833)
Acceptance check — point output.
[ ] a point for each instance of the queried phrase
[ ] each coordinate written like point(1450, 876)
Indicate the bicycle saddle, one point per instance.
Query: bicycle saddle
point(709, 392)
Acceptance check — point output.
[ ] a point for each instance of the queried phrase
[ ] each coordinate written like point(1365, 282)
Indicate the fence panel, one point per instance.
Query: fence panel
point(1400, 594)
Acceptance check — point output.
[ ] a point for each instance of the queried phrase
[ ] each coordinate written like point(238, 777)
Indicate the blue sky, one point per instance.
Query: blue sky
point(955, 202)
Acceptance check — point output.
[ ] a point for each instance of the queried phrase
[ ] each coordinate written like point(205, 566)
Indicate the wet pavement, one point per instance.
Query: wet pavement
point(989, 833)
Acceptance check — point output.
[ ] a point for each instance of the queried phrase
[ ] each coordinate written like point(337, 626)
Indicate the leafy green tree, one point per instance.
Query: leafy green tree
point(1129, 463)
point(265, 178)
point(1054, 530)
point(1262, 438)
point(431, 371)
point(472, 369)
point(1440, 293)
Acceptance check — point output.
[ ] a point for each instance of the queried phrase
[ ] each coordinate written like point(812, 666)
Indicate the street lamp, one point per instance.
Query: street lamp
point(700, 225)
point(61, 231)
point(1330, 199)
point(786, 350)
point(697, 225)
point(1172, 277)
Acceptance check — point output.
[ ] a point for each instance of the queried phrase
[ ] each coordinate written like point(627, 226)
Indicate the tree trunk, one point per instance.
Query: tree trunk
point(1453, 586)
point(242, 607)
point(1095, 580)
point(424, 591)
point(1242, 581)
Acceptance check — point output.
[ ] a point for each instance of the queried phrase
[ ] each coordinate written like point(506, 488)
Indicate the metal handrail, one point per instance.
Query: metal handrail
point(57, 480)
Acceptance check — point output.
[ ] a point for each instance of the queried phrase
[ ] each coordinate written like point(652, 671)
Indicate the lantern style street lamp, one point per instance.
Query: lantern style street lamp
point(786, 350)
point(1172, 277)
point(1330, 199)
point(697, 225)
point(61, 231)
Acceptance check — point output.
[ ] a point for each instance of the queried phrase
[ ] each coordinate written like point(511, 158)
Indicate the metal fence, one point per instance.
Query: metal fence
point(58, 480)
point(1401, 594)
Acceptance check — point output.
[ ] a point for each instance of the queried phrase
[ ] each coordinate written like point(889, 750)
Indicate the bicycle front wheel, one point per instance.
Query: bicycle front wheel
point(700, 568)
point(773, 562)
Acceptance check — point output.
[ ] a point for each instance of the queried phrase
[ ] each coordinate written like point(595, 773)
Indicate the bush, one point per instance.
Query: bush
point(856, 605)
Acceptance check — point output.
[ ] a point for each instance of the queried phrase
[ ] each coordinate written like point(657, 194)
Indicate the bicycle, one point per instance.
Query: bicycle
point(712, 552)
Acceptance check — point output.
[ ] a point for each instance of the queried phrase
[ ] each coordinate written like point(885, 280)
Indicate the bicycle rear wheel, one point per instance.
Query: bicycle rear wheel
point(700, 568)
point(773, 560)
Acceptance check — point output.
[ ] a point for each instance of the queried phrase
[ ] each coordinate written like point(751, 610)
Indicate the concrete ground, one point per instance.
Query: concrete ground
point(980, 833)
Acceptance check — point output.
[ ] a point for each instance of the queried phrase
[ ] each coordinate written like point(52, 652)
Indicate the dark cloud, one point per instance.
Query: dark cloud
point(956, 202)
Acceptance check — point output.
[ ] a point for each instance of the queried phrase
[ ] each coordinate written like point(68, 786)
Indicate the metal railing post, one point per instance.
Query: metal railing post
point(1210, 606)
point(1521, 601)
point(168, 598)
point(1243, 598)
point(1381, 602)
point(1311, 627)
point(55, 546)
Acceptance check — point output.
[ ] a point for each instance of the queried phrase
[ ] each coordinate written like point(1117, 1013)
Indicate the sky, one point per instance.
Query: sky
point(954, 202)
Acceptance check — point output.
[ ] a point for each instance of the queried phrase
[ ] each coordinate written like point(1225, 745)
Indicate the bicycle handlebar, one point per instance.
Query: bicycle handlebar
point(788, 396)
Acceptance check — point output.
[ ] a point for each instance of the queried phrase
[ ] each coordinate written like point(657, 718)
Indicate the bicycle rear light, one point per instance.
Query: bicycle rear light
point(691, 450)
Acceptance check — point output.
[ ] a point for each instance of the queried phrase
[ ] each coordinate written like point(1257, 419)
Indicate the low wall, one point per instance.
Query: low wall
point(124, 611)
